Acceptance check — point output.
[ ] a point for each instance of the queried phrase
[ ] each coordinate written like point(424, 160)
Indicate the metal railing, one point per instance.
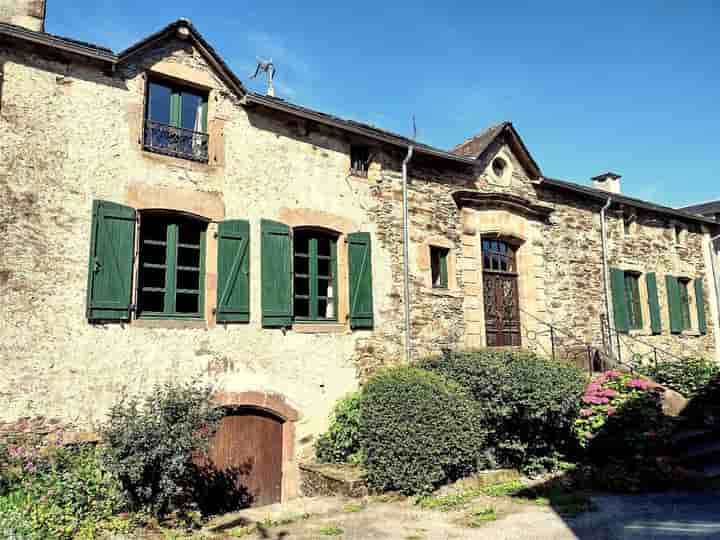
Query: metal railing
point(176, 142)
point(611, 350)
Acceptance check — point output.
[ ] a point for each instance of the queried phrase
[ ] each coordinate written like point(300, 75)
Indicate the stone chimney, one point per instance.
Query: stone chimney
point(27, 13)
point(608, 181)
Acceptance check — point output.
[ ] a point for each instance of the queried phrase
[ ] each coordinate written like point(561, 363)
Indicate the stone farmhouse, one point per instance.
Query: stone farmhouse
point(160, 222)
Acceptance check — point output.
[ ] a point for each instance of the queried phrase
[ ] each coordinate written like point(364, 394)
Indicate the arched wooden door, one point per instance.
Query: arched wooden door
point(248, 445)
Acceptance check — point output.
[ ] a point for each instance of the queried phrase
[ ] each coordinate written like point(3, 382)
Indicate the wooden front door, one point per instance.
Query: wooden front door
point(248, 446)
point(500, 294)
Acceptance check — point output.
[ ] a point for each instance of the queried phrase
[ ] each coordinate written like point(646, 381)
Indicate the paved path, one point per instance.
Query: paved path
point(666, 516)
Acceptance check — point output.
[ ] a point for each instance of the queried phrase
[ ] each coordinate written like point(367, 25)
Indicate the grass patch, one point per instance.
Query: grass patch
point(506, 489)
point(386, 498)
point(478, 518)
point(242, 532)
point(415, 537)
point(354, 507)
point(331, 530)
point(268, 523)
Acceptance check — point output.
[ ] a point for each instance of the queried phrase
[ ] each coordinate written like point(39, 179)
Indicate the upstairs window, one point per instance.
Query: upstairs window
point(176, 121)
point(439, 267)
point(315, 271)
point(632, 298)
point(359, 160)
point(498, 256)
point(172, 257)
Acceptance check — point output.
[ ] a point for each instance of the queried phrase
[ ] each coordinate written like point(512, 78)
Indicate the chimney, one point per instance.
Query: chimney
point(608, 181)
point(29, 14)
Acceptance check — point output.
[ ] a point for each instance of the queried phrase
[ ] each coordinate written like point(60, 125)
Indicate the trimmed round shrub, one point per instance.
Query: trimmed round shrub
point(529, 403)
point(418, 430)
point(341, 442)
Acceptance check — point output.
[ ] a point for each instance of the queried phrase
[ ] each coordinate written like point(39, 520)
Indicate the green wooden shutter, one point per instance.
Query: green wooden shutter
point(110, 272)
point(653, 302)
point(233, 300)
point(619, 300)
point(205, 116)
point(674, 304)
point(700, 304)
point(176, 109)
point(360, 270)
point(276, 274)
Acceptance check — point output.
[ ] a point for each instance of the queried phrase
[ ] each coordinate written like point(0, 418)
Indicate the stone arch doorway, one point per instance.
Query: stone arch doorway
point(255, 446)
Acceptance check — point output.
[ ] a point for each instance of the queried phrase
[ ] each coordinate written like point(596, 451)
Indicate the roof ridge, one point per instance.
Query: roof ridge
point(480, 133)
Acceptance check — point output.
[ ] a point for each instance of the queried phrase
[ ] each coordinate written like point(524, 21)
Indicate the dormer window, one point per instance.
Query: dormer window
point(176, 121)
point(359, 160)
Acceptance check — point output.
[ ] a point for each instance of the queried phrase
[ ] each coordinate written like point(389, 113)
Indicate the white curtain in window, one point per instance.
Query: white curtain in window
point(330, 309)
point(198, 127)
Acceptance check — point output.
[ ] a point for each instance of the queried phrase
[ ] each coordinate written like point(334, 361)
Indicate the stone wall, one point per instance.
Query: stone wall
point(72, 134)
point(27, 13)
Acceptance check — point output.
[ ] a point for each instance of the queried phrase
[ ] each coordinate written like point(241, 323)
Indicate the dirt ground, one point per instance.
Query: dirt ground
point(666, 516)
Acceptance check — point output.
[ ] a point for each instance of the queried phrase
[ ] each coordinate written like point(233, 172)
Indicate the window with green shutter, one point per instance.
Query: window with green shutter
point(653, 303)
point(684, 287)
point(233, 291)
point(619, 300)
point(276, 274)
point(172, 265)
point(110, 272)
point(439, 267)
point(700, 305)
point(314, 275)
point(360, 280)
point(632, 298)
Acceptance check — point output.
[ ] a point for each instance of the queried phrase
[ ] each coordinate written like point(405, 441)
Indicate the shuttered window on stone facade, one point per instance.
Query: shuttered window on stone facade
point(112, 243)
point(233, 290)
point(439, 267)
point(653, 302)
point(627, 306)
point(171, 274)
point(700, 305)
point(300, 278)
point(678, 303)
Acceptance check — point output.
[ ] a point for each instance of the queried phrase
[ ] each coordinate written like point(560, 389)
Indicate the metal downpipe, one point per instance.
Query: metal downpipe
point(606, 283)
point(406, 256)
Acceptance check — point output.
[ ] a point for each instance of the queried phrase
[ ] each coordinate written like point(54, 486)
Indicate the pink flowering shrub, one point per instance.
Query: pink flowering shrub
point(621, 410)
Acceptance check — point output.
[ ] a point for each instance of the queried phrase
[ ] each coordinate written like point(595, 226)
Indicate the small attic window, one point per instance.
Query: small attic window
point(499, 166)
point(359, 160)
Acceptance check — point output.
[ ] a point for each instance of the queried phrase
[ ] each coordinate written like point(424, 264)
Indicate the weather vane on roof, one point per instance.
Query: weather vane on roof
point(269, 69)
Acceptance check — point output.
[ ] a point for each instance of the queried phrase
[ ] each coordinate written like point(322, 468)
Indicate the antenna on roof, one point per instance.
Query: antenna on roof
point(414, 129)
point(268, 68)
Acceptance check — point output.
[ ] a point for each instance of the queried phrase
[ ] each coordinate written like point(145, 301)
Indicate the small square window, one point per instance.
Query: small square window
point(359, 160)
point(439, 267)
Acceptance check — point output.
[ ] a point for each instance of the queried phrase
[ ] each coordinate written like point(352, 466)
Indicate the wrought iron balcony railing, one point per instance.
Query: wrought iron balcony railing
point(177, 142)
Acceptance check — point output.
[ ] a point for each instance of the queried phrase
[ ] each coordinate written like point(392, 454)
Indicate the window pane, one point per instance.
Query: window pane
point(188, 257)
point(187, 303)
point(192, 111)
point(153, 254)
point(152, 301)
point(323, 246)
point(301, 243)
point(435, 267)
point(302, 307)
point(189, 234)
point(302, 265)
point(152, 277)
point(323, 286)
point(302, 286)
point(325, 309)
point(159, 103)
point(153, 229)
point(188, 279)
point(323, 267)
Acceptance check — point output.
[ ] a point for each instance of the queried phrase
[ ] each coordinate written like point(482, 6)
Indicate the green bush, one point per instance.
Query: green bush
point(418, 430)
point(341, 443)
point(529, 403)
point(156, 443)
point(62, 494)
point(688, 376)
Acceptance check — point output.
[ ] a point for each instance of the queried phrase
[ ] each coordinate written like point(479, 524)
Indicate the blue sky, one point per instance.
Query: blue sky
point(632, 87)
